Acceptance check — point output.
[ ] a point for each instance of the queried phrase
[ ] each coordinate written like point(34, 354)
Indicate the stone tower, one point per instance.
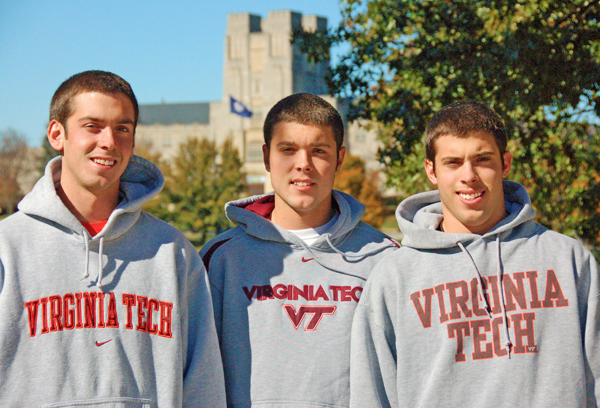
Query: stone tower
point(261, 67)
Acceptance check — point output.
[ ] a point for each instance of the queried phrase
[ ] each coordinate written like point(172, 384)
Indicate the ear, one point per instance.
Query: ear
point(266, 157)
point(506, 163)
point(56, 135)
point(340, 158)
point(430, 171)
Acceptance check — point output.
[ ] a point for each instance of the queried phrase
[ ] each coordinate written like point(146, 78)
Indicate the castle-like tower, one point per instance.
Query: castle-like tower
point(260, 67)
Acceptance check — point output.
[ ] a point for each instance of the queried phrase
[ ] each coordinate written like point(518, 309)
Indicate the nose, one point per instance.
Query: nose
point(106, 139)
point(303, 161)
point(469, 173)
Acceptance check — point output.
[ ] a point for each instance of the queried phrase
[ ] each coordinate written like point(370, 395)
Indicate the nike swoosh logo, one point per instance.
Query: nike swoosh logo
point(306, 260)
point(103, 343)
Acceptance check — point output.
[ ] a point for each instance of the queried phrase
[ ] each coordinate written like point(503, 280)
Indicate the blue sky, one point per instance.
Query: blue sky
point(167, 50)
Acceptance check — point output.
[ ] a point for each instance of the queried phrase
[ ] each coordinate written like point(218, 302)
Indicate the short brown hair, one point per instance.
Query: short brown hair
point(306, 109)
point(61, 107)
point(460, 119)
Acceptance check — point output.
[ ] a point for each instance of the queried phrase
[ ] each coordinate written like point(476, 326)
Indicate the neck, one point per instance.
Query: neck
point(290, 219)
point(87, 206)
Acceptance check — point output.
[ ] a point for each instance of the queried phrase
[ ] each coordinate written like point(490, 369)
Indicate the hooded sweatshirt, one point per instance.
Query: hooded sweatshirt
point(284, 309)
point(123, 319)
point(509, 318)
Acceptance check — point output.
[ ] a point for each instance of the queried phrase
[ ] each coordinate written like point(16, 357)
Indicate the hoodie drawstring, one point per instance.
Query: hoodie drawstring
point(100, 266)
point(86, 241)
point(508, 343)
point(357, 255)
point(499, 273)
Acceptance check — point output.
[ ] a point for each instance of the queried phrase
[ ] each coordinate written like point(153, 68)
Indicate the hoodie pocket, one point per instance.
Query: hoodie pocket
point(120, 402)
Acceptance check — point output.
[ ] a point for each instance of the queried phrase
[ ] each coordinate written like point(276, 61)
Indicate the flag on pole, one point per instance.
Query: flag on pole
point(239, 108)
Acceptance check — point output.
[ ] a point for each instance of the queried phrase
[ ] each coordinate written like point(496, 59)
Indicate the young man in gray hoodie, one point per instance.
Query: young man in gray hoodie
point(286, 281)
point(101, 304)
point(481, 306)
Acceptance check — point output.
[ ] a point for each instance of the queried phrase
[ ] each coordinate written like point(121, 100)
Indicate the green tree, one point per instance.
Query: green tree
point(537, 63)
point(13, 167)
point(353, 179)
point(198, 183)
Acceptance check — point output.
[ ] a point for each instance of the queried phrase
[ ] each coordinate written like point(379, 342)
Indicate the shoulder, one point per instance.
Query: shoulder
point(540, 239)
point(367, 233)
point(17, 225)
point(209, 249)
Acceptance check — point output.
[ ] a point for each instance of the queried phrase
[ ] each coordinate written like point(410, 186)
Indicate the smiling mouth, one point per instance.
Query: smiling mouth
point(104, 162)
point(470, 196)
point(302, 183)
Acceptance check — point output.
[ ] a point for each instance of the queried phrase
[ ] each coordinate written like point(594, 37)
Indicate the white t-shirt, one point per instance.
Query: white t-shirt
point(310, 235)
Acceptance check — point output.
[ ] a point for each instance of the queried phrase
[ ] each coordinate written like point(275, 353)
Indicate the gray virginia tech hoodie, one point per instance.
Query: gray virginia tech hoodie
point(506, 319)
point(284, 309)
point(123, 319)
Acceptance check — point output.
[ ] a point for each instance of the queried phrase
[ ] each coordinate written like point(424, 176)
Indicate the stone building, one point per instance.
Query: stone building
point(260, 68)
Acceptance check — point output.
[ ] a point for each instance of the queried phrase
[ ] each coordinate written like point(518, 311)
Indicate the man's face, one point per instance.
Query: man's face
point(302, 160)
point(96, 144)
point(468, 173)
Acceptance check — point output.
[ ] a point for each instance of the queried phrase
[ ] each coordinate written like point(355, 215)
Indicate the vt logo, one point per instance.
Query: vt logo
point(316, 311)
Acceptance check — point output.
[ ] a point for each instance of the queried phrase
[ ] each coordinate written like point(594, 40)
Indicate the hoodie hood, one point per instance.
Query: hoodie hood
point(350, 213)
point(419, 217)
point(329, 249)
point(140, 181)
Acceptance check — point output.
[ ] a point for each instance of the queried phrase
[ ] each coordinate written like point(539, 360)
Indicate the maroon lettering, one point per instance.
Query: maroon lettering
point(142, 302)
point(112, 320)
point(69, 314)
point(335, 290)
point(32, 313)
point(303, 292)
point(90, 309)
point(456, 300)
point(424, 315)
point(498, 350)
point(44, 302)
point(355, 290)
point(475, 297)
point(322, 295)
point(535, 297)
point(280, 291)
point(267, 292)
point(513, 292)
point(459, 330)
point(526, 331)
point(100, 296)
point(129, 302)
point(250, 293)
point(554, 292)
point(317, 311)
point(55, 313)
point(79, 324)
point(439, 289)
point(346, 294)
point(478, 337)
point(493, 281)
point(152, 304)
point(165, 319)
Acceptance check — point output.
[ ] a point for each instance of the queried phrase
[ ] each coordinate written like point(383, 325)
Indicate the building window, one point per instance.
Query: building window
point(254, 153)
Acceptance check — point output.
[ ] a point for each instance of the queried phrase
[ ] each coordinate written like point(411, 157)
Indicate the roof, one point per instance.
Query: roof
point(172, 113)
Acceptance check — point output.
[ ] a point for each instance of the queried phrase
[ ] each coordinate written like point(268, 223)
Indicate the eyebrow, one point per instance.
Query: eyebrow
point(476, 155)
point(122, 121)
point(318, 144)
